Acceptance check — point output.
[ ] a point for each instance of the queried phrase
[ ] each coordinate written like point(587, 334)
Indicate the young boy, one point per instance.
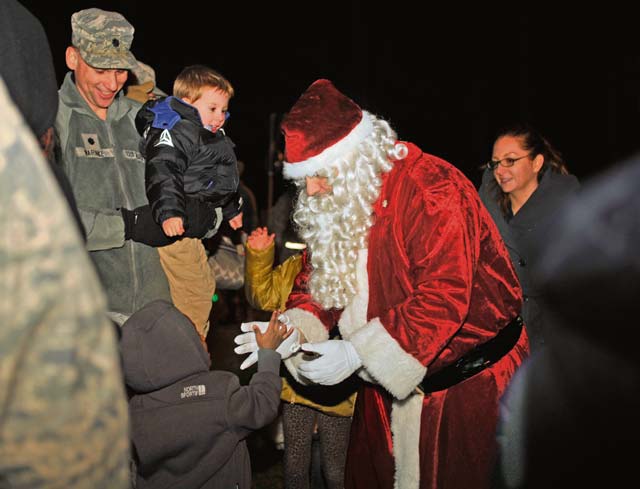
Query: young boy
point(188, 155)
point(189, 424)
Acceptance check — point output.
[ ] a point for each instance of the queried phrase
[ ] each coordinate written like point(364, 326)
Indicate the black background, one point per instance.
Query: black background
point(446, 78)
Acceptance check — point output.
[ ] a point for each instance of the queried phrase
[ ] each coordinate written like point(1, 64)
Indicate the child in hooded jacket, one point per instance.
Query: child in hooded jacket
point(189, 424)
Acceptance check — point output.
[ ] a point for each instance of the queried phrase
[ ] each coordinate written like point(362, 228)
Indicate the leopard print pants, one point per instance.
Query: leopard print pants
point(299, 422)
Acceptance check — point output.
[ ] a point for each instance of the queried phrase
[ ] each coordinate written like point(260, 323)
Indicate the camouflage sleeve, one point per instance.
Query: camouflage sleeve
point(63, 412)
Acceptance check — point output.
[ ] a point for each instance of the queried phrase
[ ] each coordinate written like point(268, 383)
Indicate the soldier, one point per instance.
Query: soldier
point(100, 152)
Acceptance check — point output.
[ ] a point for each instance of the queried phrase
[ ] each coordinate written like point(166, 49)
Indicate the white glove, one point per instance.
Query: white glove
point(248, 344)
point(338, 359)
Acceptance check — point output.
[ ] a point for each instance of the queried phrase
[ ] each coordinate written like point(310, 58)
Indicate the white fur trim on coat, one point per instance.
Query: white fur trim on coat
point(312, 329)
point(328, 157)
point(405, 429)
point(386, 361)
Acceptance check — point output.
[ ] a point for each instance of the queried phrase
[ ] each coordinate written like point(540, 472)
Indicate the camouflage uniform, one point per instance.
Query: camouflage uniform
point(63, 413)
point(105, 167)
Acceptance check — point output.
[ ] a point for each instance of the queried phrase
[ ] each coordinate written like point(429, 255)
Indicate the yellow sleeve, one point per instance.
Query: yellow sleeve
point(265, 287)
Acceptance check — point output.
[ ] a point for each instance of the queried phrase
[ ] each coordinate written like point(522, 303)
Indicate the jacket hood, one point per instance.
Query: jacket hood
point(159, 347)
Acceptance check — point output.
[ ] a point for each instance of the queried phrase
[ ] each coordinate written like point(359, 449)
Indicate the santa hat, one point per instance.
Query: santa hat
point(321, 127)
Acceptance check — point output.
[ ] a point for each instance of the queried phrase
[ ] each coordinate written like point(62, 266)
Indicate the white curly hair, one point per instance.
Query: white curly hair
point(336, 225)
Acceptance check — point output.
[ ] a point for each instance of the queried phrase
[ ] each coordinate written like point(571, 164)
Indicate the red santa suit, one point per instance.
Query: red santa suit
point(435, 282)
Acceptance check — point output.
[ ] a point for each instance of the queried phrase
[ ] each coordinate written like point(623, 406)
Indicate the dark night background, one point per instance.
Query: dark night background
point(446, 78)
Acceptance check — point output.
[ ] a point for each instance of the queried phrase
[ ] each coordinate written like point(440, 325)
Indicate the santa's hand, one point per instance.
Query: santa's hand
point(338, 360)
point(248, 344)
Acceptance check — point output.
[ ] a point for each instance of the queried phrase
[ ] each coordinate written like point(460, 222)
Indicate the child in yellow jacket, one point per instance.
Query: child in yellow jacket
point(304, 407)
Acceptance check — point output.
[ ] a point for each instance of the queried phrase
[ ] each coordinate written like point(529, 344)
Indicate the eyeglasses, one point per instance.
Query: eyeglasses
point(506, 162)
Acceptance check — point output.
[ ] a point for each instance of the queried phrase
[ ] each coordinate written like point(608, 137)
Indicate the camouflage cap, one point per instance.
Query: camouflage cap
point(103, 38)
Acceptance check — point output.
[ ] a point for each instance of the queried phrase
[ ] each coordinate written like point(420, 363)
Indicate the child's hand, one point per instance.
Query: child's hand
point(275, 333)
point(236, 222)
point(260, 239)
point(173, 226)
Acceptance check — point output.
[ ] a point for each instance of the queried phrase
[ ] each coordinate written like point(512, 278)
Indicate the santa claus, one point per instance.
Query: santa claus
point(406, 262)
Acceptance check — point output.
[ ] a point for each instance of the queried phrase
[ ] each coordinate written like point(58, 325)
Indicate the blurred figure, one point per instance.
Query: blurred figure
point(282, 225)
point(190, 424)
point(572, 417)
point(141, 84)
point(63, 414)
point(26, 65)
point(250, 211)
point(523, 185)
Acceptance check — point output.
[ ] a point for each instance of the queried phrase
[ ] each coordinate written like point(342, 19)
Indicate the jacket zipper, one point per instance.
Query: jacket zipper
point(129, 205)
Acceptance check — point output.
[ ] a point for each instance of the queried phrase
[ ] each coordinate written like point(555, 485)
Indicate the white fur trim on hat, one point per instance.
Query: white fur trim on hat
point(328, 157)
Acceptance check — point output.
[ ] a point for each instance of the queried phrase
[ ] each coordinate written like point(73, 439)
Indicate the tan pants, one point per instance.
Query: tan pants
point(191, 281)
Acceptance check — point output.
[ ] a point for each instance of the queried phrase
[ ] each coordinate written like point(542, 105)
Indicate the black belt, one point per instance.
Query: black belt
point(476, 360)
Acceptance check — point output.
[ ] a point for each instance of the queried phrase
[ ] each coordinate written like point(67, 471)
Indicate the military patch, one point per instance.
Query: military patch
point(129, 154)
point(165, 139)
point(95, 153)
point(92, 147)
point(90, 141)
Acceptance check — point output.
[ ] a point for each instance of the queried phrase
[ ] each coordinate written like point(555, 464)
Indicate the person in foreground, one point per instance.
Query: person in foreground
point(407, 262)
point(189, 424)
point(571, 417)
point(63, 412)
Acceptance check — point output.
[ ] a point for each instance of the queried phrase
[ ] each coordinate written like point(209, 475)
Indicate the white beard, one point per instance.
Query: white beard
point(333, 257)
point(336, 226)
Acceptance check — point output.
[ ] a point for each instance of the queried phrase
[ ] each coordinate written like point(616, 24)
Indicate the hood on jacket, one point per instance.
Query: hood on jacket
point(160, 346)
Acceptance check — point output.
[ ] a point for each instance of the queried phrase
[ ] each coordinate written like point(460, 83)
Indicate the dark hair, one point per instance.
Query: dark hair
point(536, 144)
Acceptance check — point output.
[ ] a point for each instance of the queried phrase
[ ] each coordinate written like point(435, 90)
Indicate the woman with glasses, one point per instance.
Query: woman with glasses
point(522, 186)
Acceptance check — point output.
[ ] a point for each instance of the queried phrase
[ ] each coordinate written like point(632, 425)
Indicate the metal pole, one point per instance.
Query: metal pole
point(270, 163)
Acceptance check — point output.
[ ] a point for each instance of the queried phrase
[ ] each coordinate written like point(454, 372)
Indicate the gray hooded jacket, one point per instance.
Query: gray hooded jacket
point(189, 424)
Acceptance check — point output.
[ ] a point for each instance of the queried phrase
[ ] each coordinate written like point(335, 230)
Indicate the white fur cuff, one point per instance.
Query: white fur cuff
point(386, 361)
point(313, 330)
point(308, 324)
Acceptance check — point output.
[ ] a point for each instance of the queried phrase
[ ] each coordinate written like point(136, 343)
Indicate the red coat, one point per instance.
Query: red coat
point(435, 282)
